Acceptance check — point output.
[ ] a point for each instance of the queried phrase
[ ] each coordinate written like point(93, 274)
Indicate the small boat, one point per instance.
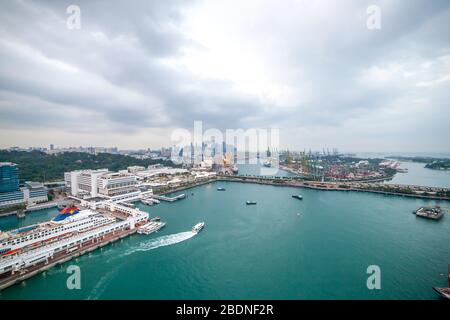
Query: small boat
point(297, 196)
point(267, 164)
point(250, 202)
point(444, 292)
point(155, 219)
point(198, 227)
point(221, 189)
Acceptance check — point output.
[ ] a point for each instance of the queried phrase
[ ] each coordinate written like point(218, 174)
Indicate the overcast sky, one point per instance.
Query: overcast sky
point(137, 70)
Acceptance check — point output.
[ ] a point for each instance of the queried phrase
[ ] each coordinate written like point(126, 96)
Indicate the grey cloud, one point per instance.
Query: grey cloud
point(119, 72)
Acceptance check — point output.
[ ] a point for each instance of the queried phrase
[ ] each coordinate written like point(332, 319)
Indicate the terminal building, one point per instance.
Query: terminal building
point(86, 184)
point(12, 194)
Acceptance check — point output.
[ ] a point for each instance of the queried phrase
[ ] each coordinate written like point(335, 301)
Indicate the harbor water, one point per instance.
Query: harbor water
point(282, 248)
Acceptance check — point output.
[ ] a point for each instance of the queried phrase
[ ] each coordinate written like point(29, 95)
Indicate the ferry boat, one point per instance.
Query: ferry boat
point(151, 227)
point(198, 227)
point(251, 202)
point(68, 222)
point(297, 196)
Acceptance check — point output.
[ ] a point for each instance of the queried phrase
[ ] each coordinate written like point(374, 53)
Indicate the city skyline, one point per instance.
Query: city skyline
point(131, 75)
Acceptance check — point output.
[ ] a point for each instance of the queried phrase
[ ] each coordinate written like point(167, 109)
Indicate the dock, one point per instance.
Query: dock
point(47, 262)
point(42, 206)
point(169, 199)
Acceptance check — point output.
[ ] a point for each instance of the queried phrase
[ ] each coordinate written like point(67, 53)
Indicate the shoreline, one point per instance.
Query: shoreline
point(323, 186)
point(61, 257)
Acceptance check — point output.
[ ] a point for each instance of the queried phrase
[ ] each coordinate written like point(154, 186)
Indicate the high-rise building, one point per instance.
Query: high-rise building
point(9, 177)
point(10, 192)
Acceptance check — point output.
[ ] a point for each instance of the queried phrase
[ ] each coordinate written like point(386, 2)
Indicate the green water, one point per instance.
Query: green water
point(266, 251)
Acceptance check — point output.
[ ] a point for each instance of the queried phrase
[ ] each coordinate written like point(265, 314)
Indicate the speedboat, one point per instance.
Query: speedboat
point(297, 196)
point(221, 189)
point(199, 226)
point(250, 202)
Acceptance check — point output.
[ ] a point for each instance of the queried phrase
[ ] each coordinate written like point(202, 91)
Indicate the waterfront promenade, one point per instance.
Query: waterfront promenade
point(412, 191)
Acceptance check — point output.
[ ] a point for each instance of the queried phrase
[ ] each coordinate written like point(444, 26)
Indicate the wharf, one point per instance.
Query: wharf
point(12, 278)
point(169, 199)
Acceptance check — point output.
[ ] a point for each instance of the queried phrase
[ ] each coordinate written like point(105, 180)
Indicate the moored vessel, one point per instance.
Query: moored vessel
point(68, 222)
point(151, 227)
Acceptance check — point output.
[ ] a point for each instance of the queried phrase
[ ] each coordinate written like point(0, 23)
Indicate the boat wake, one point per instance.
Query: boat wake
point(162, 241)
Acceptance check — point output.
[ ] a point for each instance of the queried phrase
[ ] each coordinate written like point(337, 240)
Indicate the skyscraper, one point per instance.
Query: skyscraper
point(9, 177)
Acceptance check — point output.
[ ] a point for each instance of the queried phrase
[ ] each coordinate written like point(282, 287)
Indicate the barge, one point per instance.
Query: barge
point(429, 212)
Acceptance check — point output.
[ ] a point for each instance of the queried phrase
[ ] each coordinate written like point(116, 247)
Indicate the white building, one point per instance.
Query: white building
point(83, 183)
point(101, 182)
point(116, 183)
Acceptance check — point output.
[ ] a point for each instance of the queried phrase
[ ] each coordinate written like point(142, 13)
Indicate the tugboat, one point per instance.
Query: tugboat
point(251, 203)
point(444, 292)
point(297, 196)
point(198, 227)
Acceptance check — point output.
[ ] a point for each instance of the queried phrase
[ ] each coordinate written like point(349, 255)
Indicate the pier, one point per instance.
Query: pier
point(46, 262)
point(32, 260)
point(42, 206)
point(169, 199)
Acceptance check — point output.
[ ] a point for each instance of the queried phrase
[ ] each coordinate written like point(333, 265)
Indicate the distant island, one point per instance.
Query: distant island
point(430, 162)
point(40, 166)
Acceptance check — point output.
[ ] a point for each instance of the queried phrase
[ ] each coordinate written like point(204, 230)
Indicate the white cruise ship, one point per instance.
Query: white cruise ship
point(70, 221)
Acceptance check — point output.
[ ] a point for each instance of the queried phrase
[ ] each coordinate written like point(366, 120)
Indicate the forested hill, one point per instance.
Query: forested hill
point(39, 166)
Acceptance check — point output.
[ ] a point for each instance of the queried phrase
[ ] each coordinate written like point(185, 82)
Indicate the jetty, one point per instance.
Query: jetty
point(42, 206)
point(169, 199)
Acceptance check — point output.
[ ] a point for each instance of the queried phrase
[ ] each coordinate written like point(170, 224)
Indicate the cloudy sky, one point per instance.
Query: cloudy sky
point(137, 70)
